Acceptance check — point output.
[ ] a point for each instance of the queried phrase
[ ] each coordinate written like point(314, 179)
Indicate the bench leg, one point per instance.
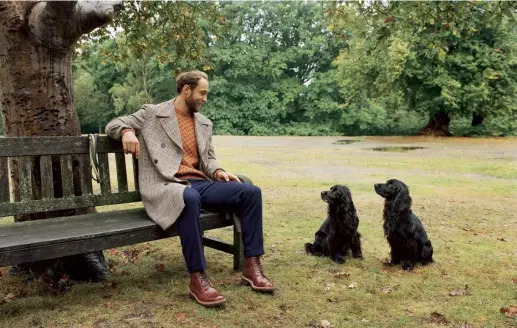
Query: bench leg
point(238, 249)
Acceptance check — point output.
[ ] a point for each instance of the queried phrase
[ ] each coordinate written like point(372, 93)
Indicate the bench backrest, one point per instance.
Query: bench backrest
point(42, 155)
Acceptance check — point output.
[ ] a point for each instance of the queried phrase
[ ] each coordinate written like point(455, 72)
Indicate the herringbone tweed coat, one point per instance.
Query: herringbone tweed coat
point(161, 152)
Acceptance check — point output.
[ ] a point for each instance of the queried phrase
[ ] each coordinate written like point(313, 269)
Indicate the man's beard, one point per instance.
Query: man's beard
point(192, 106)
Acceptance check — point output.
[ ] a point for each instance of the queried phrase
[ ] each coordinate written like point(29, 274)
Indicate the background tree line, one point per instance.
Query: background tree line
point(319, 68)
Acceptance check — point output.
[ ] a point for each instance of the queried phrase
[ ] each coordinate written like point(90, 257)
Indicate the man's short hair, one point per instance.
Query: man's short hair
point(190, 78)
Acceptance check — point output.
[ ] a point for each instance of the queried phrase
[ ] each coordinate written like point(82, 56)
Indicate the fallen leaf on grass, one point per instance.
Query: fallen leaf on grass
point(387, 289)
point(514, 280)
point(341, 274)
point(438, 318)
point(329, 286)
point(510, 311)
point(8, 298)
point(181, 316)
point(325, 324)
point(132, 255)
point(160, 267)
point(114, 252)
point(503, 239)
point(365, 320)
point(460, 292)
point(466, 325)
point(352, 285)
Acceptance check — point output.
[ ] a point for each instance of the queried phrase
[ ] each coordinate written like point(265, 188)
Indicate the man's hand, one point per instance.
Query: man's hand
point(221, 175)
point(130, 143)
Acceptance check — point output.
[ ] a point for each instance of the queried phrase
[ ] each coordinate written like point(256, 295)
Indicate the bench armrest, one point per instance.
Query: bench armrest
point(244, 179)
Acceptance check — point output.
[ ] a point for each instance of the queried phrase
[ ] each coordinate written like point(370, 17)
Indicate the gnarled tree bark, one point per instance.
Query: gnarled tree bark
point(37, 41)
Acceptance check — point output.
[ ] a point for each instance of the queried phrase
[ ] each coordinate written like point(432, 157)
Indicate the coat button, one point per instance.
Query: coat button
point(163, 145)
point(155, 161)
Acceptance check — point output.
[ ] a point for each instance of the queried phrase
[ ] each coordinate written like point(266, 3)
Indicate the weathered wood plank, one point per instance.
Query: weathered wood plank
point(47, 182)
point(8, 209)
point(4, 180)
point(56, 237)
point(25, 174)
point(104, 174)
point(86, 175)
point(67, 180)
point(61, 145)
point(238, 254)
point(120, 161)
point(135, 172)
point(219, 245)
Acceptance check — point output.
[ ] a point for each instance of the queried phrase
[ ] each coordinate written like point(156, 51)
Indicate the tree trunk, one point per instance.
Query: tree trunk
point(36, 98)
point(438, 125)
point(477, 119)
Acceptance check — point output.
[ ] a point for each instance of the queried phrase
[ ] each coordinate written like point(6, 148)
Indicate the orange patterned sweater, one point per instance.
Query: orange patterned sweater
point(189, 167)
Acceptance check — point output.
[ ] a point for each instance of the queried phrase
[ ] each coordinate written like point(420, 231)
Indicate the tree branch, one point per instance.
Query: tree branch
point(13, 14)
point(60, 9)
point(64, 22)
point(93, 14)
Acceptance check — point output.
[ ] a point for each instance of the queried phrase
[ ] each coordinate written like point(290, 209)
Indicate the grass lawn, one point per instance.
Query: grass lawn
point(464, 191)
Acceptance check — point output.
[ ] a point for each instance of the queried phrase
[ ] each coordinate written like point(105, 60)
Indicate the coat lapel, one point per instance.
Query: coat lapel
point(203, 132)
point(170, 122)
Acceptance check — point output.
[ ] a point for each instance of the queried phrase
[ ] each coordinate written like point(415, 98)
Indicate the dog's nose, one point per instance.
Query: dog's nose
point(376, 185)
point(323, 193)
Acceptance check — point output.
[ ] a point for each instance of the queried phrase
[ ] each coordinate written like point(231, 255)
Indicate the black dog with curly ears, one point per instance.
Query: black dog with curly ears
point(403, 229)
point(338, 233)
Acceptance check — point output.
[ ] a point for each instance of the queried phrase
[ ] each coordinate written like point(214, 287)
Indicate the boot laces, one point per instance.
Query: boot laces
point(205, 280)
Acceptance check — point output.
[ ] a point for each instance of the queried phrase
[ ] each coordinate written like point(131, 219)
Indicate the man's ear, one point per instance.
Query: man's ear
point(186, 89)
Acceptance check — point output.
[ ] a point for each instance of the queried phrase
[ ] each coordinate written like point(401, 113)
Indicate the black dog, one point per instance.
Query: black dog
point(338, 233)
point(403, 229)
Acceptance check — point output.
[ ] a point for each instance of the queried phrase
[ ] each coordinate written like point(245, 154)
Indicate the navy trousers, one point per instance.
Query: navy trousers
point(219, 196)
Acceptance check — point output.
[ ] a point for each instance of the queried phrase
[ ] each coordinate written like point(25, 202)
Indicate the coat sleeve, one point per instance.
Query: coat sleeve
point(134, 121)
point(212, 164)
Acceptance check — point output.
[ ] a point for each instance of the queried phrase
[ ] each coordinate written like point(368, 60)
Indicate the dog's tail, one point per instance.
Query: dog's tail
point(308, 248)
point(427, 253)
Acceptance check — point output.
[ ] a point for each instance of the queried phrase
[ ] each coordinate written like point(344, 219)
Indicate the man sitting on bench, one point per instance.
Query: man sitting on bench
point(179, 176)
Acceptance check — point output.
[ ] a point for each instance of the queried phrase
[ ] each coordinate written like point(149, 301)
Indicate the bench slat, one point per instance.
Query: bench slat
point(4, 180)
point(47, 182)
point(135, 172)
point(25, 174)
point(67, 180)
point(64, 145)
point(86, 175)
point(56, 237)
point(120, 161)
point(8, 209)
point(104, 174)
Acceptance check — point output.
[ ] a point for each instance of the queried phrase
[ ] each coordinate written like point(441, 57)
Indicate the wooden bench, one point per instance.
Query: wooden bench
point(30, 241)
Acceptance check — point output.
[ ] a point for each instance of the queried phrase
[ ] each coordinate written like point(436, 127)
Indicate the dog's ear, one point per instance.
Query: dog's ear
point(348, 203)
point(402, 200)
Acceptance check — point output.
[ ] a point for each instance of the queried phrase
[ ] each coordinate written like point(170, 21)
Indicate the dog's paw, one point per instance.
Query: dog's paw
point(358, 256)
point(308, 248)
point(407, 265)
point(338, 259)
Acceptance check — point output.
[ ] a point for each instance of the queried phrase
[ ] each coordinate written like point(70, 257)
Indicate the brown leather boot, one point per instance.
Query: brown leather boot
point(253, 275)
point(202, 290)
